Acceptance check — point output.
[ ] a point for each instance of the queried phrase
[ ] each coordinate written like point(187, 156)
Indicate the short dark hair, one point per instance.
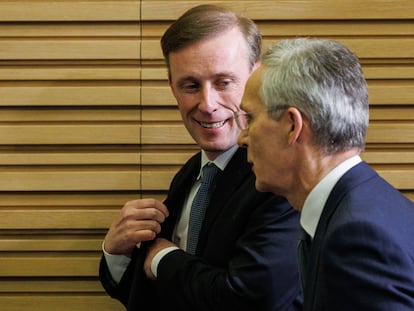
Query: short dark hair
point(206, 21)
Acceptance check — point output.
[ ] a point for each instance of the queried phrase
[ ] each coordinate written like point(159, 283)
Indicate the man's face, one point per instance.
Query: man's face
point(207, 80)
point(266, 140)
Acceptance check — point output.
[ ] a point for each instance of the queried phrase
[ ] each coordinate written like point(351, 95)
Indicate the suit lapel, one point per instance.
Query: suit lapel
point(356, 175)
point(227, 183)
point(180, 186)
point(351, 179)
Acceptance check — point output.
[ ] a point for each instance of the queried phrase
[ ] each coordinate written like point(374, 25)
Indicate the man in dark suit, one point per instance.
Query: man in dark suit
point(245, 258)
point(305, 120)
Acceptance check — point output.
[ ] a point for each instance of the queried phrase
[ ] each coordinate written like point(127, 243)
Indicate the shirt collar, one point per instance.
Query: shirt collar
point(315, 201)
point(221, 161)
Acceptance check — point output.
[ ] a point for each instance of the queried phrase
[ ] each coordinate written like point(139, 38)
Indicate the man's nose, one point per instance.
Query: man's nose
point(209, 100)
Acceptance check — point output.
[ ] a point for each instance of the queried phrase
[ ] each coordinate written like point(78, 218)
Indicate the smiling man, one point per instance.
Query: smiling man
point(244, 255)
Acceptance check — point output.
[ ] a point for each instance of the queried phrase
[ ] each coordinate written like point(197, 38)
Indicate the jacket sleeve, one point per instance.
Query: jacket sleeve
point(260, 273)
point(134, 279)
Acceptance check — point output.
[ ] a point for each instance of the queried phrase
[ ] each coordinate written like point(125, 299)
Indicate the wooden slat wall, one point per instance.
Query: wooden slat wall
point(87, 122)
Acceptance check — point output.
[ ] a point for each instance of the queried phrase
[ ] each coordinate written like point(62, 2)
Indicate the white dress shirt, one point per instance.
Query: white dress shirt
point(315, 201)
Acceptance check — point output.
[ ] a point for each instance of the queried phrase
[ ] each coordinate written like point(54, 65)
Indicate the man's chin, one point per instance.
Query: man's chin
point(260, 186)
point(216, 147)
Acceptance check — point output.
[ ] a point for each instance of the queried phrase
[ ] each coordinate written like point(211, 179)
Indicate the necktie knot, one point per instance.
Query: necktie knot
point(209, 173)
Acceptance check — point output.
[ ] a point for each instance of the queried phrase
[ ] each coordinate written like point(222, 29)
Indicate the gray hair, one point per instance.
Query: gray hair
point(324, 80)
point(206, 21)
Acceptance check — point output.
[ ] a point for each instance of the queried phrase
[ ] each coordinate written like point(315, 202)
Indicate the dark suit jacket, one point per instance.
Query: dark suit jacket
point(245, 258)
point(362, 255)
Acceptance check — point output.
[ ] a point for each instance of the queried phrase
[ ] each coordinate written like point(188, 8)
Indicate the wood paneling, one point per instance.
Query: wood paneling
point(88, 122)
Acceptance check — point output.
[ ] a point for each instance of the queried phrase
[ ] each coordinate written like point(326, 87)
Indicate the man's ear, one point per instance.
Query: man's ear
point(171, 86)
point(295, 120)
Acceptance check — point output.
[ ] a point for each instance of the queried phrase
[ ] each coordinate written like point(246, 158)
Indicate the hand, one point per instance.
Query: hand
point(138, 221)
point(158, 245)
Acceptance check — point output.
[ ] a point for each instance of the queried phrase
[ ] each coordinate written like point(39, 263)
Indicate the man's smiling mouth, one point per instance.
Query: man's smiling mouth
point(212, 125)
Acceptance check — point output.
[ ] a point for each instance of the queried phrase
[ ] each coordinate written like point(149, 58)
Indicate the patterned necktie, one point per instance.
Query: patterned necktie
point(200, 203)
point(303, 255)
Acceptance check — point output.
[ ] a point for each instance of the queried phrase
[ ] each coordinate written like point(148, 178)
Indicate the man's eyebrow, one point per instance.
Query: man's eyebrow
point(230, 75)
point(185, 78)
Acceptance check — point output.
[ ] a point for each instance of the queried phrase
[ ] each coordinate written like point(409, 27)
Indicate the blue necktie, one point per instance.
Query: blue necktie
point(200, 203)
point(303, 254)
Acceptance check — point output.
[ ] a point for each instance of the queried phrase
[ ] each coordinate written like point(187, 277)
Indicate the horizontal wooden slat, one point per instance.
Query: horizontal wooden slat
point(160, 158)
point(12, 286)
point(402, 132)
point(378, 71)
point(62, 303)
point(70, 134)
point(69, 49)
point(70, 181)
point(70, 158)
point(402, 179)
point(165, 134)
point(390, 113)
point(383, 93)
point(53, 114)
point(75, 72)
point(157, 96)
point(68, 10)
point(50, 265)
point(157, 180)
point(409, 194)
point(331, 28)
point(63, 218)
point(80, 302)
point(274, 10)
point(372, 47)
point(11, 200)
point(169, 114)
point(389, 156)
point(50, 244)
point(69, 29)
point(155, 74)
point(74, 95)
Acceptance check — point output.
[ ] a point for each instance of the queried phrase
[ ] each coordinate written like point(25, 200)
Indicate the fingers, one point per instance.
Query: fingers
point(138, 221)
point(145, 204)
point(145, 209)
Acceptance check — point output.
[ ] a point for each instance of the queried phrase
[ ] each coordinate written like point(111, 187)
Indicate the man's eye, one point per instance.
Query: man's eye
point(190, 88)
point(223, 84)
